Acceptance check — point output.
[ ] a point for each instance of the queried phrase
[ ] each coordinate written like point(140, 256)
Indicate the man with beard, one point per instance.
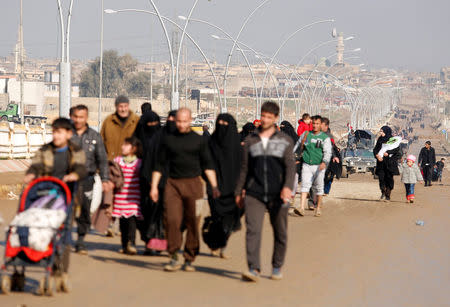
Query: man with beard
point(225, 148)
point(187, 156)
point(115, 129)
point(118, 126)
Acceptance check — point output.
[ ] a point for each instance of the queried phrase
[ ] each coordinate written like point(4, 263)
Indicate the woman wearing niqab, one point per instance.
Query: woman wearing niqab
point(225, 148)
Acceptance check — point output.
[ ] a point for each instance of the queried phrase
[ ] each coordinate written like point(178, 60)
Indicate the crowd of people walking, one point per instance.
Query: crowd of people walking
point(251, 172)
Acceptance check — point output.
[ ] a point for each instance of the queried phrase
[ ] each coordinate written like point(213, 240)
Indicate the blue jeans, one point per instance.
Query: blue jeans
point(327, 187)
point(409, 190)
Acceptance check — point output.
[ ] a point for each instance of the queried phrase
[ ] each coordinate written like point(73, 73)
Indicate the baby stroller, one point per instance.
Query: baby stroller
point(39, 236)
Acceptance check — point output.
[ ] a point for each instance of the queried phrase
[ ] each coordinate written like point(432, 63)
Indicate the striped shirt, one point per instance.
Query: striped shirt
point(127, 199)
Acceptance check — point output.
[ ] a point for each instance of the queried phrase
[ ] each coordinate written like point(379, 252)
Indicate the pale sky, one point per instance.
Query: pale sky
point(408, 34)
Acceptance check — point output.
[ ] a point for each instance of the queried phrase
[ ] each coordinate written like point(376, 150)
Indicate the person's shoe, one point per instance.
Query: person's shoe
point(215, 253)
point(251, 275)
point(172, 266)
point(311, 205)
point(131, 250)
point(317, 213)
point(387, 199)
point(110, 232)
point(188, 267)
point(80, 248)
point(430, 184)
point(382, 197)
point(276, 274)
point(411, 201)
point(300, 212)
point(224, 256)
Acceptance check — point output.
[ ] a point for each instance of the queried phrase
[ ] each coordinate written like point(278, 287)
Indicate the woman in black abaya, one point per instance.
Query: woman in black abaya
point(225, 149)
point(387, 165)
point(149, 134)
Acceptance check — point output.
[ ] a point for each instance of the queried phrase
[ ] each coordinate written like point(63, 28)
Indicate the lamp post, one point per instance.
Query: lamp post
point(174, 95)
point(288, 39)
point(225, 75)
point(229, 38)
point(163, 18)
point(100, 90)
point(65, 81)
point(177, 76)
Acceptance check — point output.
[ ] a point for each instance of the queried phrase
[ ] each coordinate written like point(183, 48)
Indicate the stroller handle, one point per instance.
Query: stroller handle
point(41, 179)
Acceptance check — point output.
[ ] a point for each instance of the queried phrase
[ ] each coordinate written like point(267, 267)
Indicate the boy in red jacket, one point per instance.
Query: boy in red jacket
point(304, 124)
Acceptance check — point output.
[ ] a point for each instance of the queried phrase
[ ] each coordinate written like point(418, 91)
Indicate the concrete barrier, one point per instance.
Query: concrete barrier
point(21, 142)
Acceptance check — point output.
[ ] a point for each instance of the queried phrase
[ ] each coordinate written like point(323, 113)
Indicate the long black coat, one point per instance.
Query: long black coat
point(389, 163)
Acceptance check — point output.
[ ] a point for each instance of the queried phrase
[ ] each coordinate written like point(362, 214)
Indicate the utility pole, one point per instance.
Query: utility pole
point(65, 80)
point(185, 76)
point(21, 106)
point(100, 90)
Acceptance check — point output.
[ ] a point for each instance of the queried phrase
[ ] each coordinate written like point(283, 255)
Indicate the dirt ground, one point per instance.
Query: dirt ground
point(361, 252)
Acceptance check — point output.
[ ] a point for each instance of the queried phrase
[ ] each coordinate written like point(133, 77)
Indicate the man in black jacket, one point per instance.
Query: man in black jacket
point(96, 159)
point(427, 160)
point(265, 183)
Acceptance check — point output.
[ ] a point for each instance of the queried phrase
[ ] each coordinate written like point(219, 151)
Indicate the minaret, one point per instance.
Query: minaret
point(340, 49)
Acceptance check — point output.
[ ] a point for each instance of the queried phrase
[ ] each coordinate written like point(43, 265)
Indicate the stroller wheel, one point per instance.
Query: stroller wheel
point(46, 286)
point(6, 284)
point(18, 281)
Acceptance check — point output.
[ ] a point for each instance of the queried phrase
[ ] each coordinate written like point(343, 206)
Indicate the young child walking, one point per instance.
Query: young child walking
point(127, 199)
point(410, 175)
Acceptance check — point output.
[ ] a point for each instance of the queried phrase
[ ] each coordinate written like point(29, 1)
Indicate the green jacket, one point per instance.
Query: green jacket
point(317, 148)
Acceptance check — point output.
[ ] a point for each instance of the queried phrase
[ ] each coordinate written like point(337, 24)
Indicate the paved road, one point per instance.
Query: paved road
point(361, 252)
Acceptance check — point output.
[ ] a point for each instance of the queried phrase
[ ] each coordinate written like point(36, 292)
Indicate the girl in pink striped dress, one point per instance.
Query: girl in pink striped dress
point(127, 199)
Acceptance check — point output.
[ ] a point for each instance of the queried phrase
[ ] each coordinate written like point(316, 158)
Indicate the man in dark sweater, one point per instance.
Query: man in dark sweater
point(265, 184)
point(427, 160)
point(187, 155)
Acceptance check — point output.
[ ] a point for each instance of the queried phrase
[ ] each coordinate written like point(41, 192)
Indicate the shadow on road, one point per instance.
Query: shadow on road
point(160, 266)
point(369, 200)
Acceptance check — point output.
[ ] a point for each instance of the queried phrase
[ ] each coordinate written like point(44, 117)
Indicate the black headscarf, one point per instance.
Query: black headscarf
point(248, 129)
point(287, 128)
point(170, 126)
point(143, 131)
point(387, 134)
point(225, 148)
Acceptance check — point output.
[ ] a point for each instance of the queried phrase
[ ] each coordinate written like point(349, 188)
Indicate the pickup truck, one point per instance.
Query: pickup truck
point(11, 114)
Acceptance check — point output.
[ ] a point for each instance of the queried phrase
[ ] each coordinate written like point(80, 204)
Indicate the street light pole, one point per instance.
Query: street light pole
point(162, 18)
point(177, 95)
point(100, 90)
point(225, 75)
point(21, 105)
point(174, 96)
point(65, 81)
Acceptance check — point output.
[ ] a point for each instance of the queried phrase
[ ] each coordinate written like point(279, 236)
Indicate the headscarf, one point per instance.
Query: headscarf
point(248, 128)
point(143, 131)
point(225, 148)
point(287, 128)
point(170, 126)
point(387, 134)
